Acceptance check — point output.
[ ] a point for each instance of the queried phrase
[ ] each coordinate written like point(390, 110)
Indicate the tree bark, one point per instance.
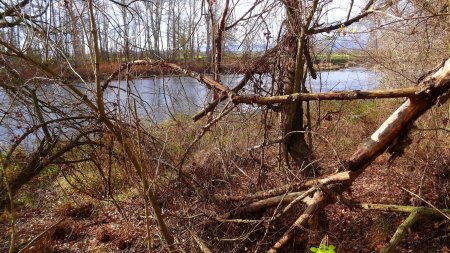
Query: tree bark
point(295, 144)
point(339, 95)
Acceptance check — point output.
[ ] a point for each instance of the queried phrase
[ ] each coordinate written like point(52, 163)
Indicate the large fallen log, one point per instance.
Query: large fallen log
point(433, 89)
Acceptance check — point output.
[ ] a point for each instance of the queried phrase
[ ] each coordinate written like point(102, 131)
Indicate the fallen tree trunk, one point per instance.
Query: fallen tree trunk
point(434, 88)
point(291, 188)
point(339, 95)
point(261, 205)
point(319, 200)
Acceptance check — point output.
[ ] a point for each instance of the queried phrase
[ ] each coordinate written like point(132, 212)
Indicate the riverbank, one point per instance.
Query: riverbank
point(232, 64)
point(229, 66)
point(71, 211)
point(199, 66)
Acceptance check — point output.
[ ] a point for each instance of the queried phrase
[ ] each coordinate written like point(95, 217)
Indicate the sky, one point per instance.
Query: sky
point(337, 11)
point(338, 8)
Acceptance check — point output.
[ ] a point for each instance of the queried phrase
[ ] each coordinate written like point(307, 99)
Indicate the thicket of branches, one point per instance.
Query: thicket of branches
point(271, 170)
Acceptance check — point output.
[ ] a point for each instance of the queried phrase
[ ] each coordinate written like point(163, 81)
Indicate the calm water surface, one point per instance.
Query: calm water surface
point(164, 97)
point(161, 98)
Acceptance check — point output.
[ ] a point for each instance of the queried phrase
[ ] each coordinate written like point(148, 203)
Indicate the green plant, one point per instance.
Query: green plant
point(323, 248)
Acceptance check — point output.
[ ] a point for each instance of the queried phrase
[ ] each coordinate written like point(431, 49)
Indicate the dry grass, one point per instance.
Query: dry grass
point(220, 164)
point(82, 211)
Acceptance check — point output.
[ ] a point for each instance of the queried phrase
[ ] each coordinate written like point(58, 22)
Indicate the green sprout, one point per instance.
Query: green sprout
point(323, 248)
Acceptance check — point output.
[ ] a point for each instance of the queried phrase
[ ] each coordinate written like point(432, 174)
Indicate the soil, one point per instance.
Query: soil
point(82, 226)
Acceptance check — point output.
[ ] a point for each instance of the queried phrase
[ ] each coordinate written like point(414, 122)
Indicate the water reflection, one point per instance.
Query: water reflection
point(161, 98)
point(346, 79)
point(166, 97)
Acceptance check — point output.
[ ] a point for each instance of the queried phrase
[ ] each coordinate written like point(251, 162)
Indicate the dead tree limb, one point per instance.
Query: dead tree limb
point(434, 88)
point(397, 208)
point(293, 187)
point(299, 198)
point(261, 205)
point(39, 236)
point(364, 12)
point(319, 200)
point(247, 77)
point(401, 231)
point(339, 95)
point(253, 99)
point(201, 244)
point(208, 82)
point(222, 97)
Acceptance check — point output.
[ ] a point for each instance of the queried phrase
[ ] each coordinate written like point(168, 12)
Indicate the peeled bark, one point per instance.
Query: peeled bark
point(433, 89)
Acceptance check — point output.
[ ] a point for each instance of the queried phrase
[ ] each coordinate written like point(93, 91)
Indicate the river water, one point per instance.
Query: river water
point(161, 98)
point(166, 97)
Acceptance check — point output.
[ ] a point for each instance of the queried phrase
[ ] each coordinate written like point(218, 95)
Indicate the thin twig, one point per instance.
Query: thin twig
point(417, 196)
point(200, 242)
point(41, 234)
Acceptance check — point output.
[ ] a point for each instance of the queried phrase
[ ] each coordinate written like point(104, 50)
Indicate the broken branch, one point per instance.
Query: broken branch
point(338, 95)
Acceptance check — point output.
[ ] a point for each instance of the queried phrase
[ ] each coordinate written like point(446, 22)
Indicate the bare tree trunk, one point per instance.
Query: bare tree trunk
point(78, 51)
point(218, 42)
point(208, 36)
point(295, 144)
point(155, 23)
point(126, 42)
point(148, 37)
point(150, 195)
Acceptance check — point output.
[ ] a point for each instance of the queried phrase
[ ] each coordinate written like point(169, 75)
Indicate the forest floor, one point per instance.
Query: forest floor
point(84, 225)
point(79, 219)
